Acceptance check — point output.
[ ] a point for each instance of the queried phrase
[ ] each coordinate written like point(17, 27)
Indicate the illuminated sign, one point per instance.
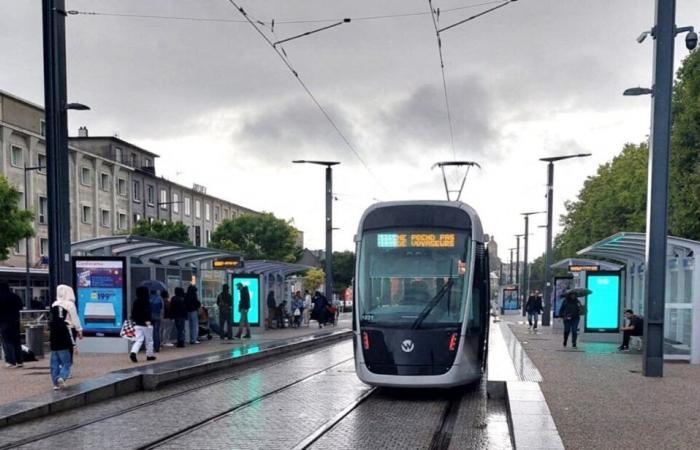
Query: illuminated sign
point(251, 284)
point(584, 268)
point(100, 291)
point(416, 240)
point(603, 304)
point(227, 263)
point(510, 299)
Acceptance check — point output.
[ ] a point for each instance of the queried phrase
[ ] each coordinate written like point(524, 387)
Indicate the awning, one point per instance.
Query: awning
point(262, 267)
point(631, 247)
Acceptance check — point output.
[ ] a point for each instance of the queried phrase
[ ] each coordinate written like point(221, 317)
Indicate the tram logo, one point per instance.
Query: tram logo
point(407, 346)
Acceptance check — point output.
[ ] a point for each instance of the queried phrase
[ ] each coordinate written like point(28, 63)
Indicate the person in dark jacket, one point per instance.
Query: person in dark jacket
point(243, 308)
point(192, 304)
point(10, 306)
point(225, 303)
point(141, 316)
point(178, 312)
point(273, 311)
point(62, 342)
point(570, 313)
point(634, 327)
point(320, 311)
point(533, 308)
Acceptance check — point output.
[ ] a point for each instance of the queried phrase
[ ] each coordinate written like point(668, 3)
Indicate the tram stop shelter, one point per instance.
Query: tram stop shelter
point(682, 298)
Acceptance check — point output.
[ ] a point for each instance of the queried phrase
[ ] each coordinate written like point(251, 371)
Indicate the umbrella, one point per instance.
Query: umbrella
point(580, 292)
point(153, 285)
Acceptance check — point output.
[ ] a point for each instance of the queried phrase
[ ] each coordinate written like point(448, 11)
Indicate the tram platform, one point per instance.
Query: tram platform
point(599, 399)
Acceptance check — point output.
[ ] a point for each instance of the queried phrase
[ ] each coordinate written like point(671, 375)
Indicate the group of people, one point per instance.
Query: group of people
point(304, 309)
point(225, 303)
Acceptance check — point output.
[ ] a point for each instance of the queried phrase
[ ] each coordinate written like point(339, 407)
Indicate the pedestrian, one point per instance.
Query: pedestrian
point(192, 305)
point(156, 302)
point(533, 308)
point(61, 339)
point(320, 311)
point(65, 297)
point(634, 327)
point(10, 306)
point(272, 311)
point(307, 308)
point(243, 308)
point(225, 303)
point(570, 312)
point(178, 311)
point(141, 316)
point(168, 322)
point(297, 308)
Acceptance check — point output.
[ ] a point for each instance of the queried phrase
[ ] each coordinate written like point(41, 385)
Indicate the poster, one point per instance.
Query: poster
point(510, 300)
point(603, 304)
point(252, 282)
point(100, 293)
point(561, 285)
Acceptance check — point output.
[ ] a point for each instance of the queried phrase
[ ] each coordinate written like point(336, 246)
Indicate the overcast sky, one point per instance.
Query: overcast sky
point(536, 78)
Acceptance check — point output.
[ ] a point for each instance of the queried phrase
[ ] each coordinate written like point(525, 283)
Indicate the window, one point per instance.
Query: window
point(44, 247)
point(17, 157)
point(19, 247)
point(151, 192)
point(85, 176)
point(41, 162)
point(104, 181)
point(197, 209)
point(216, 213)
point(118, 154)
point(122, 221)
point(151, 220)
point(132, 160)
point(207, 211)
point(208, 234)
point(104, 218)
point(137, 217)
point(121, 186)
point(42, 127)
point(176, 205)
point(147, 162)
point(137, 191)
point(87, 214)
point(188, 206)
point(163, 199)
point(43, 210)
point(225, 214)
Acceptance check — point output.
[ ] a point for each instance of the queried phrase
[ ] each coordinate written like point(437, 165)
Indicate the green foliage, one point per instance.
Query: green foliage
point(314, 279)
point(15, 223)
point(259, 236)
point(166, 231)
point(343, 270)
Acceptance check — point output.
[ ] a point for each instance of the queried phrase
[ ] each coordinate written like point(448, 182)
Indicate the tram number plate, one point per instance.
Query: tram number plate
point(368, 317)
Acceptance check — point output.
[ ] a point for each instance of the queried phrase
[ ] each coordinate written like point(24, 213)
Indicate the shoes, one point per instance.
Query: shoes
point(55, 388)
point(19, 366)
point(196, 342)
point(564, 343)
point(132, 355)
point(238, 336)
point(247, 336)
point(623, 348)
point(10, 366)
point(61, 383)
point(573, 345)
point(168, 344)
point(150, 358)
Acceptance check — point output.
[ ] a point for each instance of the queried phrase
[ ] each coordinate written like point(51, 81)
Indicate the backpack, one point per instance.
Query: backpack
point(156, 302)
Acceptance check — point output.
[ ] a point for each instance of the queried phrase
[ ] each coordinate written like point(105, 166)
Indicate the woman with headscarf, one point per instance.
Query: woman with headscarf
point(319, 312)
point(141, 316)
point(63, 328)
point(192, 304)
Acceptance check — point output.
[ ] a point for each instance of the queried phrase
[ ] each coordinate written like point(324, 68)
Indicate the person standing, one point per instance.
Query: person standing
point(225, 303)
point(297, 308)
point(61, 338)
point(570, 312)
point(168, 322)
point(533, 308)
point(319, 313)
point(272, 310)
point(156, 302)
point(307, 308)
point(10, 306)
point(192, 304)
point(141, 315)
point(243, 308)
point(178, 311)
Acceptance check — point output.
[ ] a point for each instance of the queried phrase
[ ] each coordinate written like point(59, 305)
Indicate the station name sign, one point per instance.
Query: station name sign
point(584, 268)
point(227, 263)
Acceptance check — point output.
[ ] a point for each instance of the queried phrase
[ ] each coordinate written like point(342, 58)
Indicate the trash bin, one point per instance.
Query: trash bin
point(35, 339)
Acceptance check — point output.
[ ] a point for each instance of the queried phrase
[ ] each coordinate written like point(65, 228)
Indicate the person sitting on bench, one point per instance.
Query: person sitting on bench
point(635, 327)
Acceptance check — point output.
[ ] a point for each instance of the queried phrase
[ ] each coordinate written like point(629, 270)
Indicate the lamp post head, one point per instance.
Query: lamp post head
point(77, 106)
point(553, 159)
point(637, 91)
point(320, 163)
point(532, 212)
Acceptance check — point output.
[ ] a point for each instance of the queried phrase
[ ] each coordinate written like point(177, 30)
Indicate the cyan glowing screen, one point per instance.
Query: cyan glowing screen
point(253, 285)
point(603, 305)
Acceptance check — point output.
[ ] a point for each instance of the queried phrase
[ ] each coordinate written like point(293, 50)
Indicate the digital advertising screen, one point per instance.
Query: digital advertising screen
point(603, 304)
point(252, 284)
point(100, 291)
point(561, 285)
point(510, 300)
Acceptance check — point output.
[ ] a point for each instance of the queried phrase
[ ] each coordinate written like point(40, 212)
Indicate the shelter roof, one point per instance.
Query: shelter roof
point(630, 247)
point(565, 263)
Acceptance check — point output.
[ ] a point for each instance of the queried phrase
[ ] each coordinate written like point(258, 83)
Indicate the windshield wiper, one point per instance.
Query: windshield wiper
point(432, 304)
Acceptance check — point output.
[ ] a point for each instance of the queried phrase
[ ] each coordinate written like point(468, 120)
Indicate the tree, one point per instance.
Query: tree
point(313, 279)
point(259, 236)
point(166, 231)
point(343, 270)
point(15, 223)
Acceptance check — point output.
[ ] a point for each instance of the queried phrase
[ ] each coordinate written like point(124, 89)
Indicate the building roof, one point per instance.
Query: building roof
point(631, 247)
point(114, 139)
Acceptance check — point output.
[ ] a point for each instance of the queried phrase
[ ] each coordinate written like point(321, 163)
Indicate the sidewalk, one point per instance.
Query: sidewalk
point(599, 399)
point(34, 379)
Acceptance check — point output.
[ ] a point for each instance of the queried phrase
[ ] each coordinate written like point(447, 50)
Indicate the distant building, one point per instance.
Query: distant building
point(309, 258)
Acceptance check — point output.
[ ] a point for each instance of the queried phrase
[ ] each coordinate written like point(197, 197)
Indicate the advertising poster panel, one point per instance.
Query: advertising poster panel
point(510, 300)
point(561, 285)
point(252, 283)
point(100, 288)
point(603, 304)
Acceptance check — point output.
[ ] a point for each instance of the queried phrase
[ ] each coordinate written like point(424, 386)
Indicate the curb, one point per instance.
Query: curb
point(152, 377)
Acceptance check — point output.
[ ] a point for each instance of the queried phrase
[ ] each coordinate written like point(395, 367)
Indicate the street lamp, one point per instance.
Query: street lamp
point(28, 291)
point(329, 220)
point(631, 92)
point(548, 252)
point(526, 277)
point(510, 266)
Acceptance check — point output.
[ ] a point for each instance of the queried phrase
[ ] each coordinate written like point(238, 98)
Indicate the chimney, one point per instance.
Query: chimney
point(83, 132)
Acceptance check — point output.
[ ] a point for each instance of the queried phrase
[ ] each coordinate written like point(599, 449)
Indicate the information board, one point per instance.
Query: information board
point(603, 304)
point(252, 283)
point(100, 288)
point(510, 300)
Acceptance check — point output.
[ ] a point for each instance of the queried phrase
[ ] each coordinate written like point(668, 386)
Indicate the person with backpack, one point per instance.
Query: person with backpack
point(192, 304)
point(570, 312)
point(178, 312)
point(61, 338)
point(156, 303)
point(10, 306)
point(141, 316)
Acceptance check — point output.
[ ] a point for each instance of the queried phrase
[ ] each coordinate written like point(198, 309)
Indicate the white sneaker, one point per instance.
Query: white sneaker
point(61, 383)
point(19, 366)
point(55, 388)
point(10, 366)
point(197, 342)
point(168, 344)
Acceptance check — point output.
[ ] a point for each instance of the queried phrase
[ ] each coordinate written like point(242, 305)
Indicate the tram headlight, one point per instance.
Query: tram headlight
point(453, 341)
point(365, 340)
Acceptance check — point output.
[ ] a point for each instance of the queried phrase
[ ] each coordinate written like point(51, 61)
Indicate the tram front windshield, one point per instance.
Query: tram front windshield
point(412, 278)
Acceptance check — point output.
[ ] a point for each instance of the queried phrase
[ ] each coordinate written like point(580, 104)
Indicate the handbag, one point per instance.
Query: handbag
point(128, 330)
point(297, 313)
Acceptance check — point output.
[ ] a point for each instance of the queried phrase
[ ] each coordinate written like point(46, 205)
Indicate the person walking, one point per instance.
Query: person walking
point(319, 312)
point(65, 298)
point(243, 308)
point(141, 315)
point(61, 339)
point(156, 302)
point(533, 308)
point(168, 322)
point(192, 304)
point(570, 312)
point(225, 303)
point(178, 312)
point(10, 306)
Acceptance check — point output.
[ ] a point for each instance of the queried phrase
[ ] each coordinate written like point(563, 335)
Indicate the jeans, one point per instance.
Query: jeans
point(532, 319)
point(571, 326)
point(11, 343)
point(626, 334)
point(225, 319)
point(180, 327)
point(156, 335)
point(243, 323)
point(193, 318)
point(143, 334)
point(61, 363)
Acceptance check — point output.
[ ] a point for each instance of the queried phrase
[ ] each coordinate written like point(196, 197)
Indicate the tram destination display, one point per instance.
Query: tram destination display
point(100, 285)
point(416, 240)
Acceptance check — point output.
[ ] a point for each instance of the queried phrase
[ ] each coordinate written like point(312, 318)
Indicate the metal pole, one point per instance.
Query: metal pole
point(57, 174)
point(510, 268)
point(28, 291)
point(548, 252)
point(657, 191)
point(329, 233)
point(526, 279)
point(517, 266)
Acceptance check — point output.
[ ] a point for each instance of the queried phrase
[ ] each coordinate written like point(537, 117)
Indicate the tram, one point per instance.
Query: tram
point(421, 311)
